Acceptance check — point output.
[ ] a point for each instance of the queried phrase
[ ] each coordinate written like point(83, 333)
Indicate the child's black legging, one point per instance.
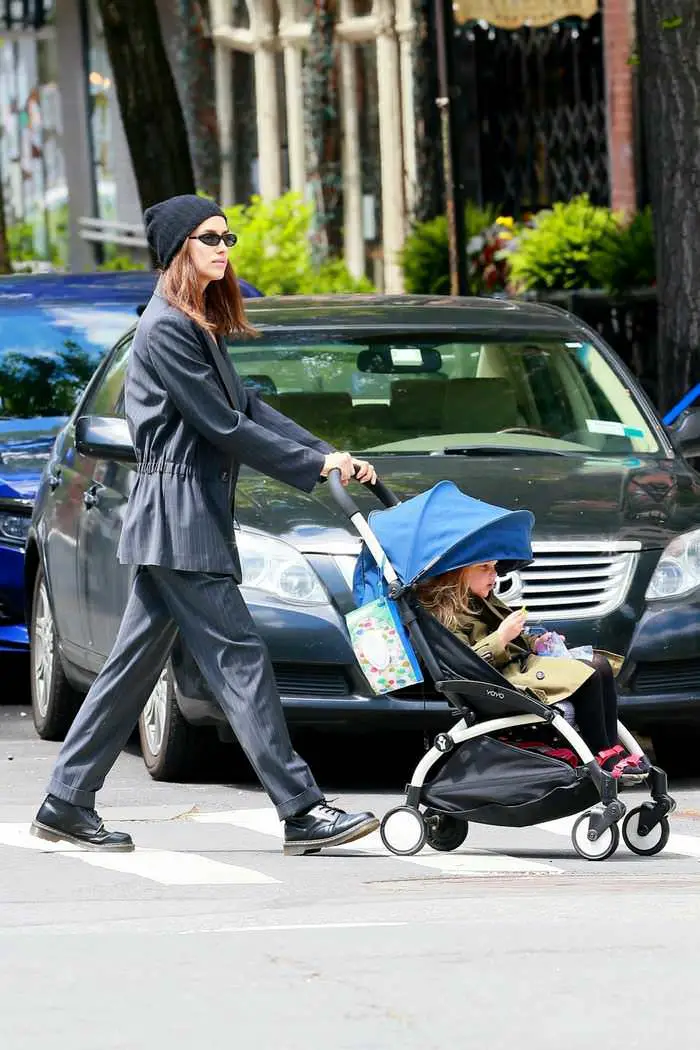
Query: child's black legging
point(595, 706)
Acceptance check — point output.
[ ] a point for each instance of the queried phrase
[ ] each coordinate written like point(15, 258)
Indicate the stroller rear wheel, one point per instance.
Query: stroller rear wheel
point(443, 831)
point(602, 848)
point(403, 831)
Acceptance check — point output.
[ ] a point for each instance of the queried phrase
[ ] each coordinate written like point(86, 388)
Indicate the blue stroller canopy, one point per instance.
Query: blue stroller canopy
point(439, 530)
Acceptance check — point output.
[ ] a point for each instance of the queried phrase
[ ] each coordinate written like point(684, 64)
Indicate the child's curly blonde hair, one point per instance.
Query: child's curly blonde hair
point(447, 597)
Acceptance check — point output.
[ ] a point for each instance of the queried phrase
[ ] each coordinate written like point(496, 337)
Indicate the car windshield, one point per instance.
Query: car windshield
point(49, 353)
point(433, 395)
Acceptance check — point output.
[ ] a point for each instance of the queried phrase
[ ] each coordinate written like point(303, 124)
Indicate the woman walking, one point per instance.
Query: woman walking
point(193, 424)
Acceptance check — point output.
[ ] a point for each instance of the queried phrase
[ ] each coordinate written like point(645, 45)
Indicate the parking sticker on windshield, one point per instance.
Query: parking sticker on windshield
point(609, 426)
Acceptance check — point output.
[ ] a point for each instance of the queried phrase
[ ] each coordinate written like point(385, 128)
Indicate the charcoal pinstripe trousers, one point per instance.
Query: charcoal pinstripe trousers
point(219, 632)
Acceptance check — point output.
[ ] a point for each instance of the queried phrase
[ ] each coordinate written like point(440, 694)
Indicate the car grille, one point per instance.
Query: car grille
point(566, 581)
point(576, 581)
point(315, 681)
point(667, 676)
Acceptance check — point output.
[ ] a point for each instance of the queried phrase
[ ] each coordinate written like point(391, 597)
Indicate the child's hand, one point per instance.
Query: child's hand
point(548, 635)
point(512, 626)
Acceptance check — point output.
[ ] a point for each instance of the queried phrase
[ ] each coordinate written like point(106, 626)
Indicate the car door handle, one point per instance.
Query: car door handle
point(91, 496)
point(54, 478)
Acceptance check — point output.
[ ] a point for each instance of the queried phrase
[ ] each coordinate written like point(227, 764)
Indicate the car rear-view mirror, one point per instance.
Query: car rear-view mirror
point(398, 360)
point(104, 437)
point(686, 431)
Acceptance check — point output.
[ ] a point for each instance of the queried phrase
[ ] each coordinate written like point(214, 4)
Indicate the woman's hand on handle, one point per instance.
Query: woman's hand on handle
point(364, 472)
point(341, 461)
point(349, 468)
point(512, 626)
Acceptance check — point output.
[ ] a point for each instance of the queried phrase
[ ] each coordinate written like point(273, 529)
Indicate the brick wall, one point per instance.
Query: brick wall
point(619, 44)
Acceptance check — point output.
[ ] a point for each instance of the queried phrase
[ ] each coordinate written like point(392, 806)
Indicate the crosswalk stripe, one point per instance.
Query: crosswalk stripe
point(166, 867)
point(465, 862)
point(686, 845)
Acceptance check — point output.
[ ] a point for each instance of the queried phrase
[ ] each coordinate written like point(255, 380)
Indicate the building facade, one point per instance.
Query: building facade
point(544, 104)
point(68, 185)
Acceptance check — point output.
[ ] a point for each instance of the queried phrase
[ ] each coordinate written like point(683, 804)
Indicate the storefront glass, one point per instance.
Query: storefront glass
point(31, 159)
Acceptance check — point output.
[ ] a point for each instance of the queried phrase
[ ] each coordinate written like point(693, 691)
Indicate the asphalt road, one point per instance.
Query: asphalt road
point(207, 936)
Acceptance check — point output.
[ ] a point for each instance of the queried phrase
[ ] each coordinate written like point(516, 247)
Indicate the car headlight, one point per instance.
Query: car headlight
point(14, 528)
point(678, 569)
point(273, 566)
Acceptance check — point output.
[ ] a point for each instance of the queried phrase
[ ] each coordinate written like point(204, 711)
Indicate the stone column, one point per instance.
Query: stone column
point(353, 239)
point(294, 94)
point(267, 115)
point(405, 28)
point(389, 92)
point(295, 117)
point(223, 73)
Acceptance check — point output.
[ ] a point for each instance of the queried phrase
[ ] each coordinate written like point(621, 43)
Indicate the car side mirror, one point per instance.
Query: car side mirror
point(104, 437)
point(686, 431)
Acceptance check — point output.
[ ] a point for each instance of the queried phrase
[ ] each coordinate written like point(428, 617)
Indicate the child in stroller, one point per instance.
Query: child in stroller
point(471, 773)
point(464, 601)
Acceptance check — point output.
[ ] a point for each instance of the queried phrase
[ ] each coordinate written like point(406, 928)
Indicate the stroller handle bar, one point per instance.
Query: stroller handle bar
point(348, 506)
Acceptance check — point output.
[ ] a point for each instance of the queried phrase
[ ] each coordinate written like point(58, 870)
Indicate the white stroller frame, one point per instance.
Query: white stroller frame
point(595, 834)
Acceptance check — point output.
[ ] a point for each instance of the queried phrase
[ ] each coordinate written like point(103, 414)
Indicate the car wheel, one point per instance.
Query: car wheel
point(676, 749)
point(169, 744)
point(54, 700)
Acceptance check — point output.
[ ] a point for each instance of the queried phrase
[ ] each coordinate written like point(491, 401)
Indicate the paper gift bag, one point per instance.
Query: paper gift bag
point(382, 646)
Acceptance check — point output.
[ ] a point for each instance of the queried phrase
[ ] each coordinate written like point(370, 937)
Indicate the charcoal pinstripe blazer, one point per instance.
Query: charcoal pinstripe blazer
point(193, 424)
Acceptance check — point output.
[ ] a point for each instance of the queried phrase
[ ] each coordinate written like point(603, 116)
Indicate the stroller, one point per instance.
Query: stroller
point(487, 768)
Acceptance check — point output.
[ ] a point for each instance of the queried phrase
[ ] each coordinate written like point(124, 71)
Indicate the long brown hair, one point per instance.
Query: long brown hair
point(219, 309)
point(446, 596)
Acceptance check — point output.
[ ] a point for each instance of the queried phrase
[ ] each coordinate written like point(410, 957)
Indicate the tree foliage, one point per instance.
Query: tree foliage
point(274, 249)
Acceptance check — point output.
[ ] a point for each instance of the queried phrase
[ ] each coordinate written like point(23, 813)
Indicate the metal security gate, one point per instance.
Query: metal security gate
point(24, 15)
point(534, 113)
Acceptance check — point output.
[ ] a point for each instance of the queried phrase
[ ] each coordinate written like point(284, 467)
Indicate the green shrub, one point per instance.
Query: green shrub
point(121, 262)
point(20, 240)
point(274, 249)
point(626, 258)
point(425, 257)
point(557, 250)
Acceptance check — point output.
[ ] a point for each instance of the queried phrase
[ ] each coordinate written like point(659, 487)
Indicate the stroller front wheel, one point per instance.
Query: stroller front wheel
point(443, 831)
point(644, 845)
point(602, 848)
point(403, 831)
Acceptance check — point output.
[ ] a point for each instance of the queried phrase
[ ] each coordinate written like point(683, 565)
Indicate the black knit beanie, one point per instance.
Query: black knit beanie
point(169, 224)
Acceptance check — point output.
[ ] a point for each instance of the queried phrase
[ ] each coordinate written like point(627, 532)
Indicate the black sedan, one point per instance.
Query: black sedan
point(519, 404)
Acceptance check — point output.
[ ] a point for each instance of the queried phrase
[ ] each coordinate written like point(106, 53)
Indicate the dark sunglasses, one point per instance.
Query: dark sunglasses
point(212, 239)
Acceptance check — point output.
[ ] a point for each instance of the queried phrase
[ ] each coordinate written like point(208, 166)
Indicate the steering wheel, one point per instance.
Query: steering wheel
point(526, 430)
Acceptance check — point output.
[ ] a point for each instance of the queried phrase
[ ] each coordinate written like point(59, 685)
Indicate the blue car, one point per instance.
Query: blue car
point(54, 330)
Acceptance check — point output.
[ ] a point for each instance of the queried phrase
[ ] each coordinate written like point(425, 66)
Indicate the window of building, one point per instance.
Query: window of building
point(31, 159)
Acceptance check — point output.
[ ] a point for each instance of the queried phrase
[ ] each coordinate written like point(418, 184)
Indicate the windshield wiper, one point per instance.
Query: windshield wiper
point(503, 450)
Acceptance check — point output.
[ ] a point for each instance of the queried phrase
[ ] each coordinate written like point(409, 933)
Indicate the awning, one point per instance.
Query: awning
point(511, 14)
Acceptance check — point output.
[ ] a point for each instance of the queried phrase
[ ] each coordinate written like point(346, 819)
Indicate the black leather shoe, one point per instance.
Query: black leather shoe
point(325, 825)
point(59, 821)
